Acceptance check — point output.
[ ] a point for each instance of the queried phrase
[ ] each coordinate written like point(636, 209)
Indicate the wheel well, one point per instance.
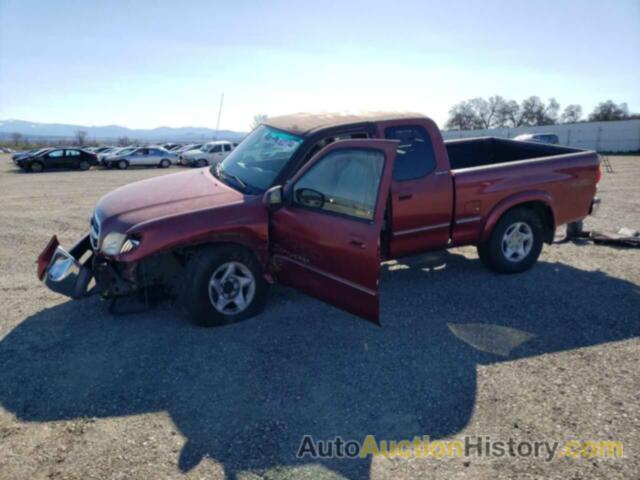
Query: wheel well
point(545, 213)
point(189, 251)
point(167, 267)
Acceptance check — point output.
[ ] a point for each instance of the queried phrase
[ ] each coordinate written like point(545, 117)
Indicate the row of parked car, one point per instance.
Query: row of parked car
point(162, 156)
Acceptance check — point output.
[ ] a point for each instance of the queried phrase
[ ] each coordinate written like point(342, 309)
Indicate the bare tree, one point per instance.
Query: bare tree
point(509, 114)
point(571, 114)
point(463, 116)
point(608, 111)
point(536, 112)
point(123, 141)
point(258, 119)
point(477, 113)
point(487, 111)
point(16, 138)
point(80, 135)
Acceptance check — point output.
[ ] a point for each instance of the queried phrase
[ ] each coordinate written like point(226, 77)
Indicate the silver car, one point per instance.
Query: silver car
point(141, 156)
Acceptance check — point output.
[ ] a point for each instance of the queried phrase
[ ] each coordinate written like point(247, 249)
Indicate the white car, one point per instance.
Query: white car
point(550, 138)
point(141, 156)
point(209, 154)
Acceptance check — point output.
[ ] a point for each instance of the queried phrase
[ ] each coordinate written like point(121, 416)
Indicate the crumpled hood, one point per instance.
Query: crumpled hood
point(162, 196)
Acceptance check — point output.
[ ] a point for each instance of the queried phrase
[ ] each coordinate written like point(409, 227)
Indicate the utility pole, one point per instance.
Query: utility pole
point(219, 115)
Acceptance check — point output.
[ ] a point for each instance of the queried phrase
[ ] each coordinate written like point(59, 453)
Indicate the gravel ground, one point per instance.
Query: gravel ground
point(551, 354)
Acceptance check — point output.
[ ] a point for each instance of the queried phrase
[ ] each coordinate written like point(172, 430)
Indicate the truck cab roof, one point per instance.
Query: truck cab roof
point(305, 123)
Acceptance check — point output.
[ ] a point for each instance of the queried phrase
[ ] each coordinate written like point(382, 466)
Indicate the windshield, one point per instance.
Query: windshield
point(260, 157)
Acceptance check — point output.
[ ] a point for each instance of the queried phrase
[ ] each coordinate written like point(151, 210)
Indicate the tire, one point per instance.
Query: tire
point(36, 167)
point(84, 165)
point(515, 243)
point(210, 265)
point(165, 163)
point(202, 163)
point(122, 164)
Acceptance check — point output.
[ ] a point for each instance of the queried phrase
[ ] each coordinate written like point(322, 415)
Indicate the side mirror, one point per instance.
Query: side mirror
point(309, 198)
point(272, 198)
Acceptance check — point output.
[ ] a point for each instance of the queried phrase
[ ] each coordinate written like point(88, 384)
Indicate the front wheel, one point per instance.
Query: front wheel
point(223, 285)
point(202, 163)
point(123, 164)
point(515, 243)
point(165, 163)
point(36, 167)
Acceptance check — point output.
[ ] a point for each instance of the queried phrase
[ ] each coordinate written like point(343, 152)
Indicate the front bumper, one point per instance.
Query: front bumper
point(66, 273)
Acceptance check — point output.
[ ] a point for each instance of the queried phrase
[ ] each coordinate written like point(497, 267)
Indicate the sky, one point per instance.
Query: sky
point(151, 63)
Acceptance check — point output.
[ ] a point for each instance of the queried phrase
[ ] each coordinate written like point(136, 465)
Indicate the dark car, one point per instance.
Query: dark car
point(54, 158)
point(29, 153)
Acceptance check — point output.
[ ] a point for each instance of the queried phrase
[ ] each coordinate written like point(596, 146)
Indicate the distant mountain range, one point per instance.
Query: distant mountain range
point(58, 131)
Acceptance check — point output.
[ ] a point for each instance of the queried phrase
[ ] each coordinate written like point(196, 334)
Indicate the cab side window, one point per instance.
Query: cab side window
point(415, 156)
point(329, 140)
point(345, 182)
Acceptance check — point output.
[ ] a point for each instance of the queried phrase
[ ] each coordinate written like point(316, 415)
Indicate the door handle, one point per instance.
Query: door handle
point(405, 196)
point(357, 243)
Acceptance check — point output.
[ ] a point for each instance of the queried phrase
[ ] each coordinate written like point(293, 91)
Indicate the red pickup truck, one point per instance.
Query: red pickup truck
point(316, 202)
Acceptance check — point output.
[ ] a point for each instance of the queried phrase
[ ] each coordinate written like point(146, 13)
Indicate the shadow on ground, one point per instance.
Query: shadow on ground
point(304, 368)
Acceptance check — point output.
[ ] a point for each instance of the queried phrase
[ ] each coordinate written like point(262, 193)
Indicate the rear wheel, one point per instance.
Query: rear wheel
point(123, 164)
point(36, 167)
point(165, 163)
point(223, 285)
point(515, 243)
point(84, 165)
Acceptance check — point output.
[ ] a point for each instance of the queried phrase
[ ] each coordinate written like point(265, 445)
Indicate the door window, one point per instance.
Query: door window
point(73, 153)
point(345, 182)
point(217, 149)
point(415, 156)
point(227, 148)
point(56, 154)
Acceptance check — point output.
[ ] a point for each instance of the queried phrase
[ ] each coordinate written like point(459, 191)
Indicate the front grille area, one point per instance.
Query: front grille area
point(94, 232)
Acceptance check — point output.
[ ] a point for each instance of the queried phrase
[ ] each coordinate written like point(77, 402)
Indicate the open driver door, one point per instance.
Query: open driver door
point(325, 234)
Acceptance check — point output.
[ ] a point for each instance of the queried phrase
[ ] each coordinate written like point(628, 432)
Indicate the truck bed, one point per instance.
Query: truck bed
point(478, 152)
point(489, 171)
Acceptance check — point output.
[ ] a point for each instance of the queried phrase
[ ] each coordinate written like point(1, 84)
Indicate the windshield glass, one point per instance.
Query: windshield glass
point(260, 157)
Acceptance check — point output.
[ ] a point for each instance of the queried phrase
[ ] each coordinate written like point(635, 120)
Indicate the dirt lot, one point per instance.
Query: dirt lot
point(84, 394)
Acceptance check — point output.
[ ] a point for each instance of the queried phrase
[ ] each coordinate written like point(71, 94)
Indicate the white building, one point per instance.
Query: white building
point(618, 136)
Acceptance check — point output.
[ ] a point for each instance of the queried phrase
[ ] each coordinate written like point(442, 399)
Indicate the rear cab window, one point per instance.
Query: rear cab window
point(415, 155)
